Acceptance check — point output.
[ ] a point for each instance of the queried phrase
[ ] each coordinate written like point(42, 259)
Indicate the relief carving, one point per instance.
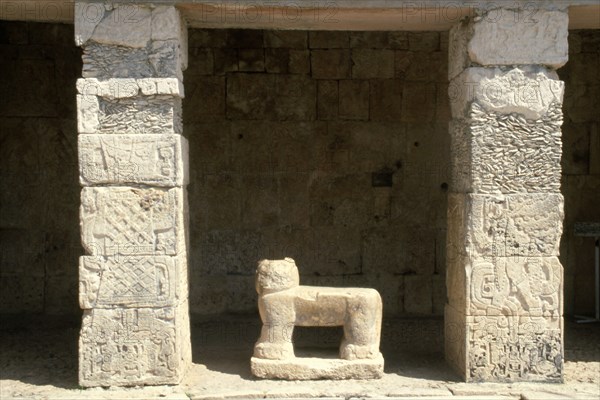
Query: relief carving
point(130, 346)
point(131, 281)
point(527, 348)
point(159, 160)
point(131, 221)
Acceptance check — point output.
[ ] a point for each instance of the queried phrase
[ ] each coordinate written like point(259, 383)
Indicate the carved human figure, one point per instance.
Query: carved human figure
point(283, 304)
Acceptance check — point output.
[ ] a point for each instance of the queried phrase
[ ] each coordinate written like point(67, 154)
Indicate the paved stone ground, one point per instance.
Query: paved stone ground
point(38, 360)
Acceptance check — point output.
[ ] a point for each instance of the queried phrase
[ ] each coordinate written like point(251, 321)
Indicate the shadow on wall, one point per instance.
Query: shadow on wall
point(39, 188)
point(581, 166)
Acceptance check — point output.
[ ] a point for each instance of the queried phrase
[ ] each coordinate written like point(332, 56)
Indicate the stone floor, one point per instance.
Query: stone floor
point(38, 360)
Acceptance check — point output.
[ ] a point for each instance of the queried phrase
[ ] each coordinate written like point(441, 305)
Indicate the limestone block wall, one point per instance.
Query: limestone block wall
point(39, 188)
point(39, 194)
point(580, 166)
point(328, 147)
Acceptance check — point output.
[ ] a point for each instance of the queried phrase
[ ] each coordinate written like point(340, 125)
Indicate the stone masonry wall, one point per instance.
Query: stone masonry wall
point(39, 194)
point(328, 147)
point(580, 166)
point(305, 190)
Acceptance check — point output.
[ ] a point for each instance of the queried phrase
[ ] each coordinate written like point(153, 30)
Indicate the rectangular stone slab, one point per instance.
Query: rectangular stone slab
point(131, 221)
point(157, 160)
point(521, 225)
point(132, 281)
point(504, 348)
point(134, 346)
point(309, 368)
point(506, 36)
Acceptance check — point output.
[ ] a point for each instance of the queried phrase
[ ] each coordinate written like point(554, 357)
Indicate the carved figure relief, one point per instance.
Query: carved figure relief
point(134, 345)
point(151, 159)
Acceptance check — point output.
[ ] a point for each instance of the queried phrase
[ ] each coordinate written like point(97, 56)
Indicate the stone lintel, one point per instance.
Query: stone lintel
point(310, 368)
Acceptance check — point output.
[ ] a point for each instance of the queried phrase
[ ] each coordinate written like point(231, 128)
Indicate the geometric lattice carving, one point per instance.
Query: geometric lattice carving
point(131, 281)
point(133, 221)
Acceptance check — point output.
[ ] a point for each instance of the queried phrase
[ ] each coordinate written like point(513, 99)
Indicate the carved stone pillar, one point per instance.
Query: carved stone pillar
point(133, 169)
point(503, 320)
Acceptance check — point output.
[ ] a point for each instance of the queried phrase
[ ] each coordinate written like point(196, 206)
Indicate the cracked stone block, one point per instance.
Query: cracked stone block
point(496, 153)
point(530, 91)
point(133, 221)
point(504, 36)
point(158, 160)
point(131, 281)
point(134, 346)
point(504, 348)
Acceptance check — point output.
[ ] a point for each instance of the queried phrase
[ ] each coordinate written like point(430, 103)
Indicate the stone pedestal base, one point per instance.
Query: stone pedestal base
point(306, 368)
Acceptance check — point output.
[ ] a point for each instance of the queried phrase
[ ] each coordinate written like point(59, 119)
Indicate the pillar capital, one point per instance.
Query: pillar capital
point(510, 36)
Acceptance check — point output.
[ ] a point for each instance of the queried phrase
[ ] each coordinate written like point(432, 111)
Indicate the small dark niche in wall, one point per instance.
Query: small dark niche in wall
point(382, 179)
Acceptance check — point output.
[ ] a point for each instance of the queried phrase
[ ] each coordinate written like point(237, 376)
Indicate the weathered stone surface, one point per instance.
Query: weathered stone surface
point(279, 97)
point(504, 36)
point(286, 39)
point(166, 23)
point(488, 226)
point(159, 160)
point(418, 102)
point(495, 153)
point(530, 91)
point(135, 115)
point(328, 40)
point(284, 304)
point(125, 25)
point(120, 88)
point(133, 346)
point(310, 368)
point(372, 63)
point(504, 347)
point(385, 102)
point(131, 281)
point(160, 59)
point(418, 294)
point(330, 64)
point(354, 99)
point(327, 100)
point(133, 221)
point(518, 37)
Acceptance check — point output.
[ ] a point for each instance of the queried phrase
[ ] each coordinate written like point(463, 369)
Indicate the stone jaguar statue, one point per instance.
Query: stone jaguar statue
point(283, 304)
